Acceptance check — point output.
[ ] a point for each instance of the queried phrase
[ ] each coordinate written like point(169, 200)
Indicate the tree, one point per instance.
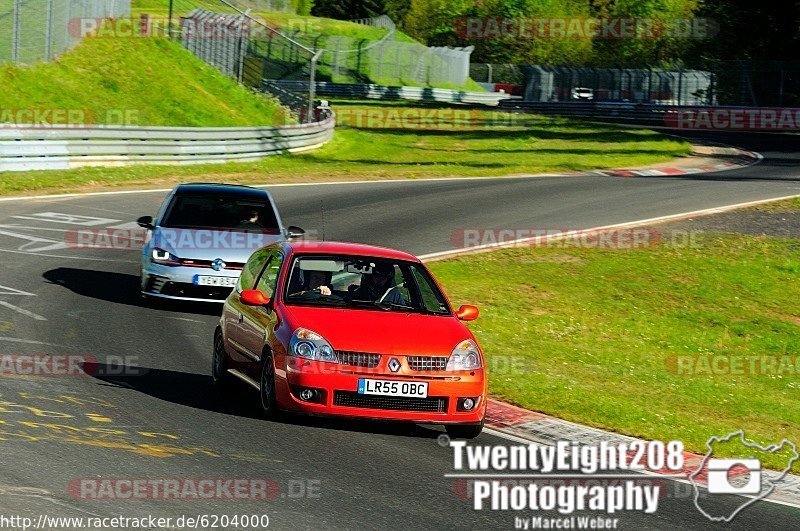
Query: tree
point(502, 31)
point(759, 30)
point(664, 30)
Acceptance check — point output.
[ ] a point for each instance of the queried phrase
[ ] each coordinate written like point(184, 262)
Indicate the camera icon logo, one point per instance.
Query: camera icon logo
point(719, 476)
point(738, 476)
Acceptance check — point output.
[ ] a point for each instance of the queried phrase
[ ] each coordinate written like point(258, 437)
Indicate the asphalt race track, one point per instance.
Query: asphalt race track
point(168, 423)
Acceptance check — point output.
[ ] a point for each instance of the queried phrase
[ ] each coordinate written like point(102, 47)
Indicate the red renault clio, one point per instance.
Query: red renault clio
point(352, 330)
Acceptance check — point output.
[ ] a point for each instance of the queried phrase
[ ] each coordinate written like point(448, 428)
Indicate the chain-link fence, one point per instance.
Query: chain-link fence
point(668, 87)
point(746, 83)
point(250, 51)
point(244, 47)
point(394, 63)
point(37, 30)
point(273, 53)
point(275, 6)
point(390, 61)
point(219, 40)
point(496, 73)
point(736, 83)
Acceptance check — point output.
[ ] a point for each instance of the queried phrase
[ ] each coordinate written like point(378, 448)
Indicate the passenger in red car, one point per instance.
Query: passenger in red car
point(378, 286)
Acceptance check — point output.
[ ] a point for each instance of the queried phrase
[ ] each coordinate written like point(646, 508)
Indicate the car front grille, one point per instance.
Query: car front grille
point(359, 359)
point(395, 403)
point(427, 363)
point(189, 262)
point(190, 291)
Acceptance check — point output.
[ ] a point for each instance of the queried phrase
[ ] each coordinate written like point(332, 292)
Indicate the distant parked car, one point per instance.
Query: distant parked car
point(201, 238)
point(582, 94)
point(351, 330)
point(509, 88)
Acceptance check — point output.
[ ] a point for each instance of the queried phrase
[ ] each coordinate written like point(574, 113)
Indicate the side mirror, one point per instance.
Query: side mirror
point(253, 297)
point(294, 232)
point(467, 313)
point(146, 222)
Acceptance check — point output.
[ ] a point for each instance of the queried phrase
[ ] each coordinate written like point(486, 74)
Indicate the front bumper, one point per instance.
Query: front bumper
point(338, 386)
point(178, 283)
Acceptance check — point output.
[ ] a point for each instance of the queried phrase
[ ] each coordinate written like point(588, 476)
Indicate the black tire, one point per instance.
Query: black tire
point(464, 431)
point(219, 363)
point(267, 400)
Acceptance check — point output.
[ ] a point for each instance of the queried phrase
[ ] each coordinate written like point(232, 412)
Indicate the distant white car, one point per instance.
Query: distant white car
point(582, 94)
point(203, 235)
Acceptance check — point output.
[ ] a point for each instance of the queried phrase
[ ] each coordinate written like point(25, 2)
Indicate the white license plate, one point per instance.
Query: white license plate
point(392, 388)
point(226, 282)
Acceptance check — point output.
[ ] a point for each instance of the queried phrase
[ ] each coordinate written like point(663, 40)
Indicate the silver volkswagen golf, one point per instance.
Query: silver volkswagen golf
point(201, 238)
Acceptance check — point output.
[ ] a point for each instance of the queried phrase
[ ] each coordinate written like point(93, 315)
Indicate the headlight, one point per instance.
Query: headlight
point(311, 345)
point(464, 357)
point(160, 256)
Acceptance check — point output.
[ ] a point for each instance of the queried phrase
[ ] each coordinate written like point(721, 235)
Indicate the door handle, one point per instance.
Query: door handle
point(241, 318)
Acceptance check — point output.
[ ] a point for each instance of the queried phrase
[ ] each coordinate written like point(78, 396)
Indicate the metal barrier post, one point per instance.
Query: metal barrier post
point(15, 31)
point(312, 85)
point(169, 24)
point(48, 38)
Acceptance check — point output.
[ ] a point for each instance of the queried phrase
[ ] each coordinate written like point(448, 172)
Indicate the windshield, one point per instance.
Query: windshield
point(226, 213)
point(363, 282)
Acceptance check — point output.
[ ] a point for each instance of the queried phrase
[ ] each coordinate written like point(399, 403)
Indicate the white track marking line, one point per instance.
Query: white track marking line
point(28, 341)
point(128, 225)
point(22, 311)
point(5, 290)
point(185, 319)
point(53, 244)
point(68, 219)
point(22, 227)
point(288, 185)
point(758, 156)
point(441, 255)
point(69, 257)
point(508, 436)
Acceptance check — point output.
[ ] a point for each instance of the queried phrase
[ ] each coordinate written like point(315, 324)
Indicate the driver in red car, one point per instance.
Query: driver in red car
point(316, 284)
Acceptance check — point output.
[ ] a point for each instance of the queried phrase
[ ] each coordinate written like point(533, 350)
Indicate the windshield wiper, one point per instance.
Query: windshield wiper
point(392, 305)
point(388, 306)
point(331, 299)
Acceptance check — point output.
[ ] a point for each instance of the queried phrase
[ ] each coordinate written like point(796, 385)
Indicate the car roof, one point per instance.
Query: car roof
point(343, 248)
point(221, 190)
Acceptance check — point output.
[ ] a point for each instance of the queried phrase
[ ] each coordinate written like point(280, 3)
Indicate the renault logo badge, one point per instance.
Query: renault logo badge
point(394, 365)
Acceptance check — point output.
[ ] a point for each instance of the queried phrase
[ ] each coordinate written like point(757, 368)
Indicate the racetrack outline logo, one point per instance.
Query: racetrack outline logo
point(721, 467)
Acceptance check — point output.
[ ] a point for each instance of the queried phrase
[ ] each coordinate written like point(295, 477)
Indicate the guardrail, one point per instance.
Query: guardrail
point(50, 148)
point(700, 117)
point(635, 113)
point(381, 92)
